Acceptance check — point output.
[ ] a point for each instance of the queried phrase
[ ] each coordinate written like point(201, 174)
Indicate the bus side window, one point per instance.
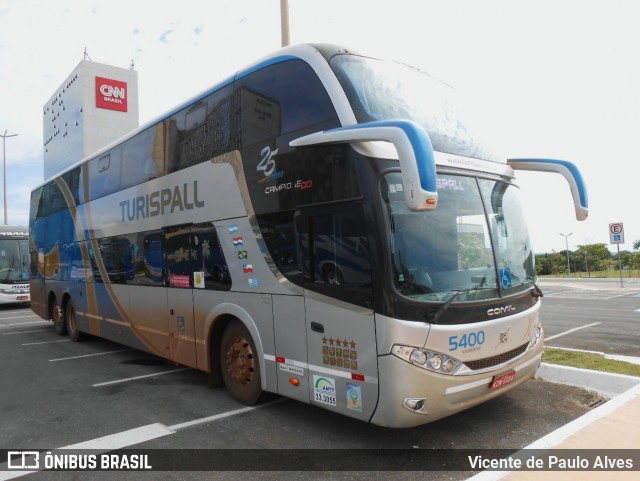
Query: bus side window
point(147, 263)
point(333, 252)
point(118, 260)
point(104, 174)
point(147, 150)
point(281, 98)
point(202, 131)
point(56, 199)
point(193, 258)
point(72, 181)
point(209, 259)
point(36, 209)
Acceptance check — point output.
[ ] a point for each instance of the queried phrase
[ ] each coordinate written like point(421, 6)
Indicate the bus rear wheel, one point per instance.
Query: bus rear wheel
point(72, 324)
point(240, 364)
point(58, 319)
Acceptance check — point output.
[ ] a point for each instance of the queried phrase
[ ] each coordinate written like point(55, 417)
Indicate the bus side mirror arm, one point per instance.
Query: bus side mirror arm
point(568, 170)
point(414, 148)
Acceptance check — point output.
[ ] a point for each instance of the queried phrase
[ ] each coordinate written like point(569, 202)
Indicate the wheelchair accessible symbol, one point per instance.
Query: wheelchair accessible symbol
point(505, 278)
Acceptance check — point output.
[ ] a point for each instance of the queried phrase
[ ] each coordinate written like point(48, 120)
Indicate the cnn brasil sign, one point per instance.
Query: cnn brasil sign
point(111, 94)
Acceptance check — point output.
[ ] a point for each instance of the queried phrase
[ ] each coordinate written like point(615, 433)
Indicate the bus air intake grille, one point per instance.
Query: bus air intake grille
point(496, 360)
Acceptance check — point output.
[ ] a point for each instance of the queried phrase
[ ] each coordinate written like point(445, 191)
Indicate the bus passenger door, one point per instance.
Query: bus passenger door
point(177, 275)
point(333, 251)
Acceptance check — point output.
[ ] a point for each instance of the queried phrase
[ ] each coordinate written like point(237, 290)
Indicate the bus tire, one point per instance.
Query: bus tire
point(240, 364)
point(58, 319)
point(72, 324)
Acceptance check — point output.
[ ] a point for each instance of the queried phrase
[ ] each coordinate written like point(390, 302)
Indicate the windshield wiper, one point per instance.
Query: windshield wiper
point(434, 316)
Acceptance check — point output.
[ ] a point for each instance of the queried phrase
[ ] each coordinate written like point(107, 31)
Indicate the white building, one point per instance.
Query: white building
point(95, 105)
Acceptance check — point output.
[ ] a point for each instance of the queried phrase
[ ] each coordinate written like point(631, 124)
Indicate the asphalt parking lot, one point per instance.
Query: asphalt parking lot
point(56, 393)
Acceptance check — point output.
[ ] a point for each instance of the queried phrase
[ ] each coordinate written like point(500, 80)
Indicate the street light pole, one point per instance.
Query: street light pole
point(566, 239)
point(4, 172)
point(284, 22)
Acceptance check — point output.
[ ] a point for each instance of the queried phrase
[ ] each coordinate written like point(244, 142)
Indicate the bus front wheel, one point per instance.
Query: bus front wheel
point(240, 364)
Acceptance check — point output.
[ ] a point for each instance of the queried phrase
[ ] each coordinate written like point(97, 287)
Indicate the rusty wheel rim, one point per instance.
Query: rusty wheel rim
point(56, 316)
point(241, 361)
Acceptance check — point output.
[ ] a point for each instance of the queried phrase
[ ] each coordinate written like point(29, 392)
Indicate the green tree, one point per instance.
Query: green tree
point(544, 265)
point(588, 257)
point(591, 257)
point(471, 251)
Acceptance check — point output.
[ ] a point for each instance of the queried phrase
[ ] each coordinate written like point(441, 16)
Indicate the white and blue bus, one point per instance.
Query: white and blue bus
point(14, 264)
point(321, 225)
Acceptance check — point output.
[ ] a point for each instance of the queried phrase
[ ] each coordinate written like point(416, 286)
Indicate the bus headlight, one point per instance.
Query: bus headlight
point(430, 360)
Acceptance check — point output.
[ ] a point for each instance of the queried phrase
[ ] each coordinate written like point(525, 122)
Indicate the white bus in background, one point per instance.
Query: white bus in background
point(14, 264)
point(322, 225)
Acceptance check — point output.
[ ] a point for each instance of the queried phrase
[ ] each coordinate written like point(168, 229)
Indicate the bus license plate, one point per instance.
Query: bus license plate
point(502, 380)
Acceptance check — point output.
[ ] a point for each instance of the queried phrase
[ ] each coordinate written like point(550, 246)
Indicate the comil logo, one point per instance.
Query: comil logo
point(111, 94)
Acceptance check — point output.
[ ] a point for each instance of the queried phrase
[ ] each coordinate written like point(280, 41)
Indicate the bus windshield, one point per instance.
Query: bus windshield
point(475, 245)
point(381, 90)
point(14, 260)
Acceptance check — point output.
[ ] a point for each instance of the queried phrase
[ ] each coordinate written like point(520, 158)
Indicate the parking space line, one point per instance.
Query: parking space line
point(570, 331)
point(619, 295)
point(89, 355)
point(138, 435)
point(24, 332)
point(216, 417)
point(107, 443)
point(125, 438)
point(118, 381)
point(23, 323)
point(45, 342)
point(556, 292)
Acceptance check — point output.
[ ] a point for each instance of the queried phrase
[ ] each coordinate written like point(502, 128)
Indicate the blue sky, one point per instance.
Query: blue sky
point(549, 78)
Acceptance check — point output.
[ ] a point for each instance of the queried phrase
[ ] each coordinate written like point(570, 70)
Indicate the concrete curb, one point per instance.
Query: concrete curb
point(604, 383)
point(617, 387)
point(556, 437)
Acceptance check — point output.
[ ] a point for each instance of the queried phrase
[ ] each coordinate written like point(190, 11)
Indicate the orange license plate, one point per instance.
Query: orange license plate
point(503, 380)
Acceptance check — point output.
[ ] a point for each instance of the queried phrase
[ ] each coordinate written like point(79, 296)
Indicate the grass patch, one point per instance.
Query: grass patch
point(588, 360)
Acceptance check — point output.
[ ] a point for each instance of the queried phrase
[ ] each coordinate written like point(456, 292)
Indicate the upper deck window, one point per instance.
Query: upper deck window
point(379, 90)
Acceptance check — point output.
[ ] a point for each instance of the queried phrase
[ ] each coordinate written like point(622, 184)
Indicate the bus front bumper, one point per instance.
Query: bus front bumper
point(413, 396)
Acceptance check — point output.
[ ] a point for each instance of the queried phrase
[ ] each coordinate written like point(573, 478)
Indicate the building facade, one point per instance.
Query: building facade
point(96, 105)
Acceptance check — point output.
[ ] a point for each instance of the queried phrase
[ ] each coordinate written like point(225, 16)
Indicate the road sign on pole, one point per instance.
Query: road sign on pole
point(616, 236)
point(616, 233)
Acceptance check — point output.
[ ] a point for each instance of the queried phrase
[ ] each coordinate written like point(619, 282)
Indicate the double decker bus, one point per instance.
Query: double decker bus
point(14, 264)
point(322, 225)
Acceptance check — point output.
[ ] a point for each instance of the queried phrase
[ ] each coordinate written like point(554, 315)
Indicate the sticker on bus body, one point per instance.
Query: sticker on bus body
point(354, 397)
point(291, 369)
point(324, 390)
